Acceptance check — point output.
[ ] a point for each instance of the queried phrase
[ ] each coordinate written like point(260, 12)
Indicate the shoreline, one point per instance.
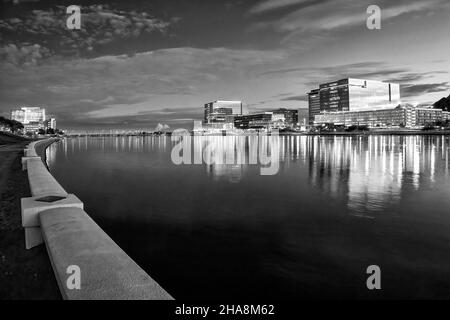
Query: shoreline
point(378, 134)
point(24, 274)
point(41, 150)
point(245, 134)
point(70, 235)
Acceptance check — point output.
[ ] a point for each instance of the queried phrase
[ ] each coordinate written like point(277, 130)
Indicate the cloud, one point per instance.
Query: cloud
point(100, 25)
point(26, 55)
point(269, 5)
point(155, 85)
point(345, 68)
point(321, 17)
point(144, 119)
point(375, 70)
point(421, 89)
point(296, 98)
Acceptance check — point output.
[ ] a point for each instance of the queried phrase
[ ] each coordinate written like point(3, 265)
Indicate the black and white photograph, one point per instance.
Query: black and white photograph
point(224, 158)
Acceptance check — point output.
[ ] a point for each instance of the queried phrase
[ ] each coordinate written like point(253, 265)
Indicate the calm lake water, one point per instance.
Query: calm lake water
point(335, 206)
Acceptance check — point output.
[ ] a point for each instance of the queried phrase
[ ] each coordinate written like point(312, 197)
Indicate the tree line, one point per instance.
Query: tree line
point(12, 124)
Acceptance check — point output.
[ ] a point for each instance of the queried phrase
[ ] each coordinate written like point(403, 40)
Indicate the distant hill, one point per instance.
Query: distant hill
point(443, 104)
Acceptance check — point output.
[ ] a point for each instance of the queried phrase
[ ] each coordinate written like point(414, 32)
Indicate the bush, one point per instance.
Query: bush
point(428, 126)
point(356, 128)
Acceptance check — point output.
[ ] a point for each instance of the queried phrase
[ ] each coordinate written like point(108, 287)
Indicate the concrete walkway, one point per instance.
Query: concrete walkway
point(24, 274)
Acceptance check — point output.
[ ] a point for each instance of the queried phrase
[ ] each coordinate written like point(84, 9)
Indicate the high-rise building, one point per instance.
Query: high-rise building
point(32, 118)
point(353, 95)
point(314, 104)
point(220, 111)
point(50, 123)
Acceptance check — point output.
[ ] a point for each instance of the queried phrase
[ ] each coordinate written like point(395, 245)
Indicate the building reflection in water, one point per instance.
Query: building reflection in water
point(369, 172)
point(229, 157)
point(373, 171)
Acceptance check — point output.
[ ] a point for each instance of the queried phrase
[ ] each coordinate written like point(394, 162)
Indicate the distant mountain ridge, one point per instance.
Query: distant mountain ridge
point(443, 104)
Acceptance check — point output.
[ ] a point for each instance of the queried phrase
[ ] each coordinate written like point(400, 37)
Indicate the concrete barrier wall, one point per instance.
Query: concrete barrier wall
point(30, 151)
point(41, 181)
point(73, 239)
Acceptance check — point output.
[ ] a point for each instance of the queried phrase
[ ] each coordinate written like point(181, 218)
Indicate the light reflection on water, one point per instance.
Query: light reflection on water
point(374, 168)
point(336, 205)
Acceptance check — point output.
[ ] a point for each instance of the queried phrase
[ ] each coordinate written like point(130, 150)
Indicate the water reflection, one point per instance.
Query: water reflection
point(376, 168)
point(369, 172)
point(336, 205)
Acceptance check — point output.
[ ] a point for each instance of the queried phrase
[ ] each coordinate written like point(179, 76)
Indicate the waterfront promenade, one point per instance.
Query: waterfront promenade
point(24, 274)
point(71, 237)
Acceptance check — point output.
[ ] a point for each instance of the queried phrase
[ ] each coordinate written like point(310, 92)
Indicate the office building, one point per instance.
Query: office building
point(314, 104)
point(418, 117)
point(222, 111)
point(50, 123)
point(285, 118)
point(32, 118)
point(353, 95)
point(402, 116)
point(261, 120)
point(372, 119)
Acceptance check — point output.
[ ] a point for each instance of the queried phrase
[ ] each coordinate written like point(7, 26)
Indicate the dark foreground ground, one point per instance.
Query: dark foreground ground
point(24, 274)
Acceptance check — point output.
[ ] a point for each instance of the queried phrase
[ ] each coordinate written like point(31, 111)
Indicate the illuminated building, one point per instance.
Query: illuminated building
point(380, 118)
point(261, 120)
point(285, 118)
point(314, 104)
point(32, 118)
point(353, 95)
point(217, 111)
point(402, 116)
point(50, 123)
point(422, 116)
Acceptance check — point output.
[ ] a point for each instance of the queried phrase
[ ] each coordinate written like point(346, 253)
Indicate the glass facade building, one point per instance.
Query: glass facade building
point(314, 104)
point(353, 95)
point(372, 95)
point(404, 116)
point(379, 118)
point(217, 111)
point(254, 121)
point(287, 117)
point(334, 96)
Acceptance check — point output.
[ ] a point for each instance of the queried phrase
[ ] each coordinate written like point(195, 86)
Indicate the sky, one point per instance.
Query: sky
point(134, 64)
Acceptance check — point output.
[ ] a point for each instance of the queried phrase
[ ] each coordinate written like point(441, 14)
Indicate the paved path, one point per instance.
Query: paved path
point(24, 274)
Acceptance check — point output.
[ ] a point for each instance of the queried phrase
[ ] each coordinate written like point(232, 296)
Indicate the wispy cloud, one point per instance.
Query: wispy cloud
point(321, 16)
point(269, 5)
point(296, 98)
point(119, 86)
point(421, 89)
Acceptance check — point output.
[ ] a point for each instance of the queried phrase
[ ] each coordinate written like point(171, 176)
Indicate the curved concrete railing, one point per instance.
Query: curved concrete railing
point(30, 151)
point(75, 242)
point(41, 181)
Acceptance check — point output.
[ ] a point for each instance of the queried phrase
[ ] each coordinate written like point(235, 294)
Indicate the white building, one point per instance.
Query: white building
point(32, 118)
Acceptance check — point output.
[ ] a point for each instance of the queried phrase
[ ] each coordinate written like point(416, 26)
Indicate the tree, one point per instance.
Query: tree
point(12, 124)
